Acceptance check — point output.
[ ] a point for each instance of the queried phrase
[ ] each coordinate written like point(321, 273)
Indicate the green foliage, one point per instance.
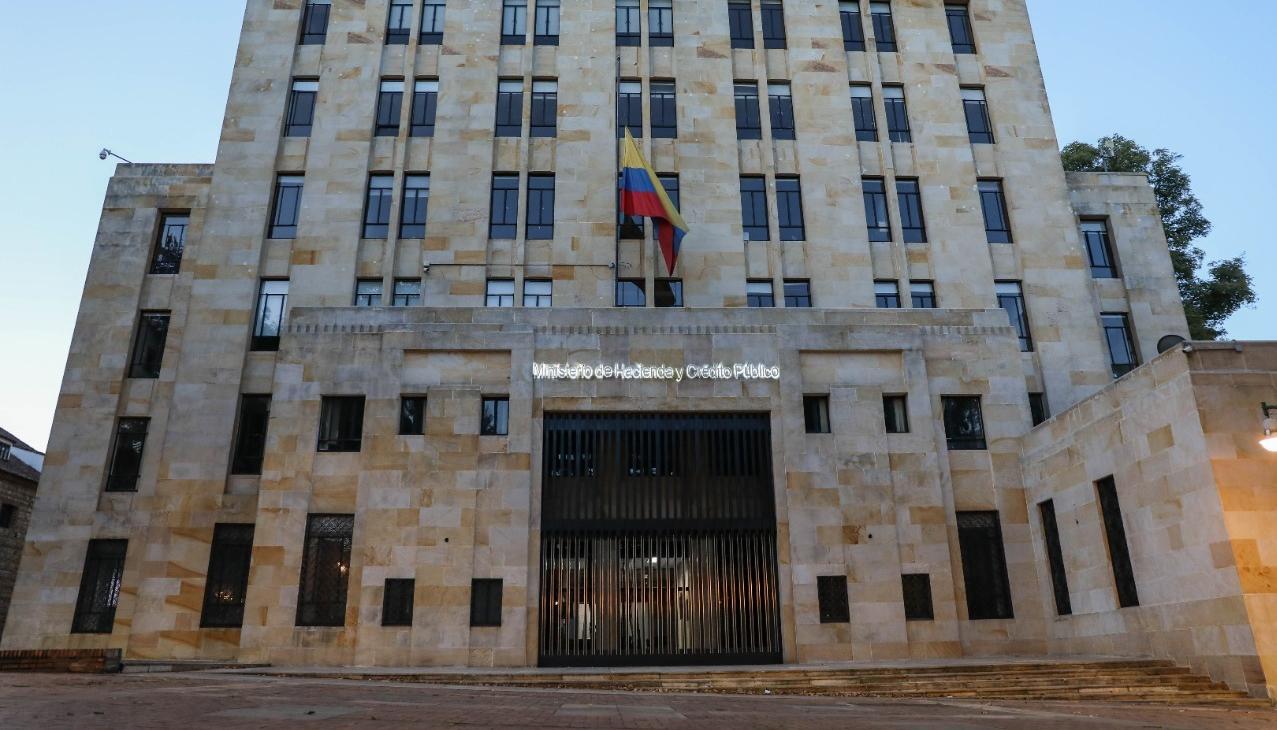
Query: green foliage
point(1227, 288)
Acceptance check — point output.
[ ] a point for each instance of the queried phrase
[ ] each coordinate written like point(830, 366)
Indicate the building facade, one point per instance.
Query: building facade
point(19, 475)
point(321, 406)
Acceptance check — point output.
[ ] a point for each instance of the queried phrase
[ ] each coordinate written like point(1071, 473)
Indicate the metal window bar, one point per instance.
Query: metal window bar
point(99, 587)
point(325, 571)
point(984, 566)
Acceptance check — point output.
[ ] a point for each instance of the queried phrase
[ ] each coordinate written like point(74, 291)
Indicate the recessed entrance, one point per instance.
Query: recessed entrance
point(658, 540)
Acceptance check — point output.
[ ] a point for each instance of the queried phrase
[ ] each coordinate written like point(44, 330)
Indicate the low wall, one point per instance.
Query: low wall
point(73, 661)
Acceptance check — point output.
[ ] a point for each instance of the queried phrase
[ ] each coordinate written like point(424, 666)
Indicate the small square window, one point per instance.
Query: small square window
point(396, 604)
point(412, 415)
point(669, 292)
point(895, 410)
point(887, 295)
point(963, 422)
point(759, 294)
point(831, 592)
point(495, 417)
point(500, 293)
point(341, 423)
point(485, 602)
point(631, 293)
point(816, 413)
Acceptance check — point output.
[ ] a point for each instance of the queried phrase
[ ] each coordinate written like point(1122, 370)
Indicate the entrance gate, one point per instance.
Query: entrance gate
point(658, 540)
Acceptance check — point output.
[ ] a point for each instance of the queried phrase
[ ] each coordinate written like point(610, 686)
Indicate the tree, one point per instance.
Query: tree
point(1227, 287)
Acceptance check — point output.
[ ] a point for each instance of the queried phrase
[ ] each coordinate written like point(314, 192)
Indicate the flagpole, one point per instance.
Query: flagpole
point(616, 192)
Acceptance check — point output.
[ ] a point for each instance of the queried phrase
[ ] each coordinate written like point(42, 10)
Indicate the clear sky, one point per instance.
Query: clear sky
point(148, 78)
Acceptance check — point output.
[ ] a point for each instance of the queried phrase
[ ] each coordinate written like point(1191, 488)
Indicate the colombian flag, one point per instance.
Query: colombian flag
point(643, 197)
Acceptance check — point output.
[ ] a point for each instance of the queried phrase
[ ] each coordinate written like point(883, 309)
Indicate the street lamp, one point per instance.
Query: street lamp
point(1269, 441)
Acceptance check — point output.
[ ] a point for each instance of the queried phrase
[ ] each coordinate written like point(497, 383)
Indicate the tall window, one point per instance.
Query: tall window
point(853, 33)
point(629, 108)
point(227, 578)
point(664, 111)
point(884, 28)
point(922, 294)
point(485, 602)
point(538, 293)
point(368, 293)
point(148, 345)
point(631, 293)
point(876, 217)
point(789, 209)
point(510, 108)
point(917, 597)
point(627, 227)
point(1099, 249)
point(407, 293)
point(1011, 298)
point(1055, 558)
point(997, 224)
point(425, 103)
point(1117, 332)
point(250, 434)
point(399, 25)
point(781, 105)
point(913, 226)
point(412, 416)
point(984, 566)
point(1119, 551)
point(1039, 408)
point(301, 108)
point(504, 217)
point(660, 22)
point(397, 600)
point(381, 190)
point(167, 258)
point(749, 123)
point(740, 18)
point(325, 575)
point(416, 203)
point(126, 454)
point(341, 423)
point(99, 587)
point(886, 294)
point(495, 416)
point(798, 293)
point(862, 113)
point(432, 23)
point(831, 599)
point(499, 293)
point(268, 322)
point(893, 98)
point(670, 183)
point(545, 108)
point(389, 108)
point(816, 413)
point(960, 27)
point(773, 24)
point(895, 411)
point(668, 293)
point(545, 27)
point(287, 206)
point(629, 23)
point(963, 422)
point(540, 207)
point(753, 204)
point(315, 22)
point(976, 110)
point(759, 294)
point(514, 22)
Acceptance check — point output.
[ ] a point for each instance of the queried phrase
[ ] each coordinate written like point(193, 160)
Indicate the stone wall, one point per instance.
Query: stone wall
point(20, 493)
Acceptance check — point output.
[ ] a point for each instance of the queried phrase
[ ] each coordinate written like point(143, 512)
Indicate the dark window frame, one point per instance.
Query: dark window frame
point(494, 415)
point(913, 221)
point(997, 214)
point(546, 21)
point(1099, 248)
point(544, 121)
point(341, 424)
point(797, 293)
point(631, 293)
point(1115, 325)
point(323, 585)
point(397, 599)
point(100, 587)
point(629, 24)
point(789, 208)
point(1055, 558)
point(433, 15)
point(509, 109)
point(853, 32)
point(877, 209)
point(286, 205)
point(897, 110)
point(976, 113)
point(403, 294)
point(759, 300)
point(425, 108)
point(412, 415)
point(389, 108)
point(314, 22)
point(895, 419)
point(1119, 548)
point(414, 207)
point(514, 15)
point(378, 201)
point(754, 215)
point(961, 35)
point(150, 336)
point(817, 419)
point(864, 119)
point(918, 601)
point(667, 292)
point(1017, 310)
point(299, 119)
point(920, 298)
point(267, 331)
point(540, 220)
point(629, 108)
point(884, 26)
point(170, 243)
point(1039, 409)
point(832, 599)
point(984, 566)
point(780, 110)
point(486, 595)
point(964, 425)
point(773, 17)
point(659, 18)
point(740, 20)
point(252, 424)
point(503, 216)
point(226, 581)
point(663, 105)
point(399, 22)
point(123, 471)
point(887, 299)
point(749, 122)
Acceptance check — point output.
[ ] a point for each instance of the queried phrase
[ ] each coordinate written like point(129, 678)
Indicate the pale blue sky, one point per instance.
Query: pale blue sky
point(148, 78)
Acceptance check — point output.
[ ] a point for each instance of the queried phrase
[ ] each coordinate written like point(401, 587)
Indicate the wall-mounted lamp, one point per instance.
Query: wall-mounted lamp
point(1269, 441)
point(105, 153)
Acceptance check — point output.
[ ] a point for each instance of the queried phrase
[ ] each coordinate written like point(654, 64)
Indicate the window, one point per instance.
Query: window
point(660, 23)
point(1055, 558)
point(853, 33)
point(432, 23)
point(664, 111)
point(5, 451)
point(753, 205)
point(7, 512)
point(669, 293)
point(629, 20)
point(389, 108)
point(148, 345)
point(272, 298)
point(126, 454)
point(416, 202)
point(315, 22)
point(500, 293)
point(816, 413)
point(509, 108)
point(960, 28)
point(893, 98)
point(749, 124)
point(412, 415)
point(99, 587)
point(629, 108)
point(922, 294)
point(250, 434)
point(495, 419)
point(301, 108)
point(227, 579)
point(425, 103)
point(368, 293)
point(485, 600)
point(773, 24)
point(287, 206)
point(399, 25)
point(1039, 408)
point(381, 191)
point(1119, 551)
point(781, 105)
point(407, 293)
point(1099, 249)
point(976, 110)
point(631, 293)
point(396, 603)
point(1011, 298)
point(503, 222)
point(514, 22)
point(963, 422)
point(670, 183)
point(862, 113)
point(789, 209)
point(886, 295)
point(545, 30)
point(984, 566)
point(912, 225)
point(876, 219)
point(741, 19)
point(1117, 332)
point(545, 108)
point(798, 293)
point(884, 28)
point(538, 293)
point(341, 423)
point(321, 593)
point(895, 409)
point(917, 595)
point(167, 258)
point(759, 294)
point(627, 227)
point(831, 595)
point(540, 207)
point(997, 226)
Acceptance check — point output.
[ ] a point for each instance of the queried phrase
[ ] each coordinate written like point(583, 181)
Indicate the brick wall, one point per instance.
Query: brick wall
point(77, 661)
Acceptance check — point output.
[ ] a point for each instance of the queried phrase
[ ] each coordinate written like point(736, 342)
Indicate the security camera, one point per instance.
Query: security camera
point(105, 153)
